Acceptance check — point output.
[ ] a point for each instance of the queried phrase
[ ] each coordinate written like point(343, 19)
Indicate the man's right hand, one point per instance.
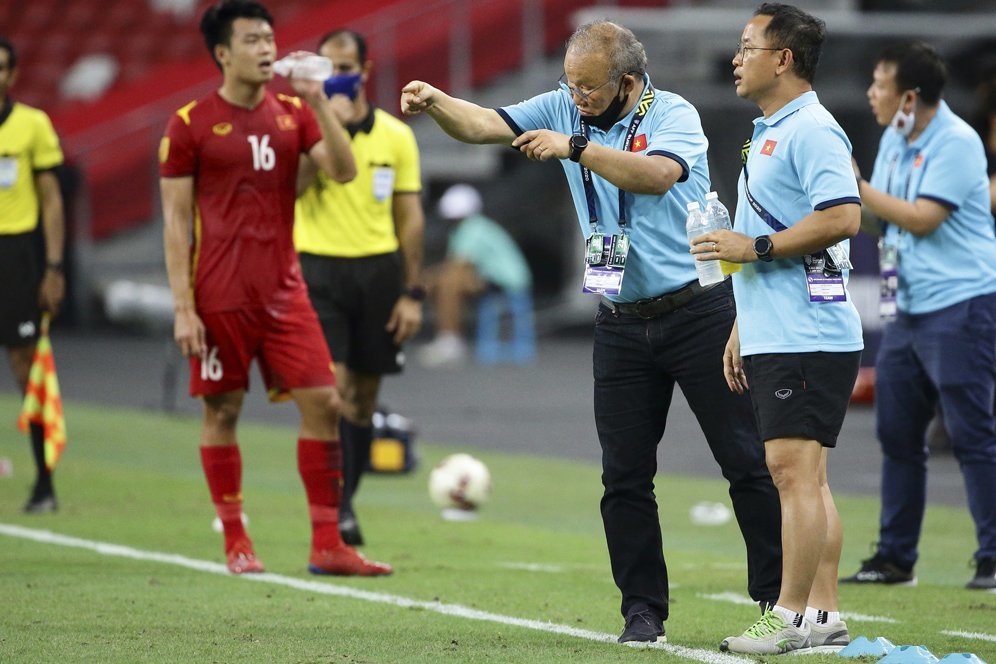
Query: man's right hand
point(189, 333)
point(416, 97)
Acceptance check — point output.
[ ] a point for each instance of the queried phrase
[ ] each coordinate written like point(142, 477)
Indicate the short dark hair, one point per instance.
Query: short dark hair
point(216, 23)
point(8, 46)
point(801, 33)
point(918, 67)
point(361, 43)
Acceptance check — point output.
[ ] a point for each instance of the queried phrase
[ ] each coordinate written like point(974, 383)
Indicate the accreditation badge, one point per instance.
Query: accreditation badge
point(383, 183)
point(824, 282)
point(8, 172)
point(605, 263)
point(888, 264)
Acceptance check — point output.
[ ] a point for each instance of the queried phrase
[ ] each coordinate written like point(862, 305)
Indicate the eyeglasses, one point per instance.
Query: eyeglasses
point(584, 96)
point(742, 50)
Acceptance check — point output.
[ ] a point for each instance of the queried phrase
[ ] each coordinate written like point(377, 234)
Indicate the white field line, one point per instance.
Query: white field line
point(736, 598)
point(978, 636)
point(103, 548)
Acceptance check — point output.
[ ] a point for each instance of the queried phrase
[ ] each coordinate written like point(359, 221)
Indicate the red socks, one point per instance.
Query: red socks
point(223, 470)
point(320, 465)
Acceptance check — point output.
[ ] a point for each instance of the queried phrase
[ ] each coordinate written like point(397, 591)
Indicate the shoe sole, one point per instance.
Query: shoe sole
point(814, 650)
point(898, 584)
point(645, 644)
point(321, 571)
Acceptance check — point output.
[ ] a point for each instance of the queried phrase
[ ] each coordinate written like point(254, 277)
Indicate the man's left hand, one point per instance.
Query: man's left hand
point(406, 319)
point(543, 144)
point(51, 292)
point(724, 245)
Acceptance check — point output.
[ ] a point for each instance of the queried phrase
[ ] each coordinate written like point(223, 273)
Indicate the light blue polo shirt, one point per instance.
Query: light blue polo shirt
point(947, 164)
point(493, 253)
point(659, 259)
point(799, 161)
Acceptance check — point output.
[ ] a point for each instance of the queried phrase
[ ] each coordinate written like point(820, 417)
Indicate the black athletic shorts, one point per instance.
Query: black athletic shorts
point(20, 277)
point(801, 395)
point(353, 298)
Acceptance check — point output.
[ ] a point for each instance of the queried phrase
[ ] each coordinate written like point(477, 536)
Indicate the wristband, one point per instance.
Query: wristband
point(54, 266)
point(416, 293)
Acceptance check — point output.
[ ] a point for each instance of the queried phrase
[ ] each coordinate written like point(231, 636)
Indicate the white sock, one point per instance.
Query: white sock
point(821, 617)
point(789, 616)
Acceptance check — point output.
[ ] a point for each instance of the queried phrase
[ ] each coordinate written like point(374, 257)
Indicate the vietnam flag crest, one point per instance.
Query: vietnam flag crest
point(42, 401)
point(639, 143)
point(769, 147)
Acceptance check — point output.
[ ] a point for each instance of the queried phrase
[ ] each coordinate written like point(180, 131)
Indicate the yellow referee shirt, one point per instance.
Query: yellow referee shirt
point(355, 219)
point(28, 143)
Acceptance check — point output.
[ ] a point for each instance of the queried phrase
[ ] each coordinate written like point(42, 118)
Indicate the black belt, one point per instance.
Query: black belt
point(660, 305)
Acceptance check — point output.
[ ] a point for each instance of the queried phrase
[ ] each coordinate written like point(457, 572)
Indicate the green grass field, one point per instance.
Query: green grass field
point(537, 553)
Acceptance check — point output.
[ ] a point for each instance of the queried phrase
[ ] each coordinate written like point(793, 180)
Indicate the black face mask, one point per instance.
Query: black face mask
point(608, 117)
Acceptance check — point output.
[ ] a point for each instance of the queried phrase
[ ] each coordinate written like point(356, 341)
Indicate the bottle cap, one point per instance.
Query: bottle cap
point(711, 195)
point(694, 205)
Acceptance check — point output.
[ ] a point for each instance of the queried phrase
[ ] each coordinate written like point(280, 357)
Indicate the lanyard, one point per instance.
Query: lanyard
point(906, 187)
point(589, 186)
point(766, 216)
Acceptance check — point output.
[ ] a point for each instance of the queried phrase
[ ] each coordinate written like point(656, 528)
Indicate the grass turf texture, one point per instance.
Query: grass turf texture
point(134, 479)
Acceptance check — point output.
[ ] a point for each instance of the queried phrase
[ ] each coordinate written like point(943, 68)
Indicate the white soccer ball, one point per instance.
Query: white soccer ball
point(460, 482)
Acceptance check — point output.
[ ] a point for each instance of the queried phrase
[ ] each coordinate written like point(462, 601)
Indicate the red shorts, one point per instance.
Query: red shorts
point(288, 343)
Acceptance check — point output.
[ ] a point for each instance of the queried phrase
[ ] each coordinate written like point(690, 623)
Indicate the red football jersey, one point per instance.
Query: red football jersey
point(244, 163)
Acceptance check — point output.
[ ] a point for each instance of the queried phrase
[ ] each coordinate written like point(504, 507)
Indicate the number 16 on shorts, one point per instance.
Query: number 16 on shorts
point(211, 365)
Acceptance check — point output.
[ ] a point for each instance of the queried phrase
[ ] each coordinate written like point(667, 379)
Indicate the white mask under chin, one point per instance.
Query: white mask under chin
point(902, 122)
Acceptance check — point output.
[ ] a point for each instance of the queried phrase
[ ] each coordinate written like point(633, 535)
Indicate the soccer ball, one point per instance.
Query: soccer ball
point(460, 482)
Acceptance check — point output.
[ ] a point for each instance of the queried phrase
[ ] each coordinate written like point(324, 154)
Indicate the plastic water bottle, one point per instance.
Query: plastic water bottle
point(698, 224)
point(310, 67)
point(719, 217)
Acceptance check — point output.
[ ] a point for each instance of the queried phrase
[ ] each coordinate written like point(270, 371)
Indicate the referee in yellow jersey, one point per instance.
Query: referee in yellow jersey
point(29, 154)
point(361, 246)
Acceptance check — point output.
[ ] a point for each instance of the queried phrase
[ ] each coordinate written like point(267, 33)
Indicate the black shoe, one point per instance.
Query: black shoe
point(879, 570)
point(985, 575)
point(41, 505)
point(349, 529)
point(643, 627)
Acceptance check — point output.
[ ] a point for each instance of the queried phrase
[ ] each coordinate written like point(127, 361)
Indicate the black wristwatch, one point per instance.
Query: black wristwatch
point(578, 144)
point(416, 293)
point(763, 247)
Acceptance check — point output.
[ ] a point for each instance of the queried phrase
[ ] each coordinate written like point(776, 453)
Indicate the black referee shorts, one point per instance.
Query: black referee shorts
point(801, 395)
point(353, 298)
point(20, 277)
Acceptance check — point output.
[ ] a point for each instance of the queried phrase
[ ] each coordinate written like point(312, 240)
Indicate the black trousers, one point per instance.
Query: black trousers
point(636, 366)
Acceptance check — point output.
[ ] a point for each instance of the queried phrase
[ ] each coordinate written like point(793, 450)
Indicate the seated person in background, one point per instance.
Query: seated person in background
point(480, 257)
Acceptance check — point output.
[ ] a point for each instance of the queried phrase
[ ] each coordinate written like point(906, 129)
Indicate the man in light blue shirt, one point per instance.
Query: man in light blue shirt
point(930, 193)
point(797, 341)
point(482, 259)
point(634, 157)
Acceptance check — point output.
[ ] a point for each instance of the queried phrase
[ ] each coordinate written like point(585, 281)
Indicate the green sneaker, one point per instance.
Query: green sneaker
point(770, 635)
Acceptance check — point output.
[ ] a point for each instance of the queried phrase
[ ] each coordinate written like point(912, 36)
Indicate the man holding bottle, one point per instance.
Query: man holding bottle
point(634, 157)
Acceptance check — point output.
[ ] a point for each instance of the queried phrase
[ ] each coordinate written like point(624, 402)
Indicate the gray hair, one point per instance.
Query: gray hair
point(626, 53)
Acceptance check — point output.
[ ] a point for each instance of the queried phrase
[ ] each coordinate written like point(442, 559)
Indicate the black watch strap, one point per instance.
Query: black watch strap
point(763, 247)
point(416, 293)
point(578, 144)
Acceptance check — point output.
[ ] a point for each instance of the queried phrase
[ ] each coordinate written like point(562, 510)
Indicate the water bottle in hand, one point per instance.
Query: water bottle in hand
point(719, 217)
point(308, 66)
point(697, 224)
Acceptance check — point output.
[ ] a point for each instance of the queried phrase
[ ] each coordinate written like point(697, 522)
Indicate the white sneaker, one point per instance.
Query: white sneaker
point(828, 638)
point(770, 635)
point(446, 350)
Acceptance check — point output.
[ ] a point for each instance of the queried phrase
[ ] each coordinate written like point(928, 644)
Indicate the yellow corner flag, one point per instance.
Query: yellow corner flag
point(42, 401)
